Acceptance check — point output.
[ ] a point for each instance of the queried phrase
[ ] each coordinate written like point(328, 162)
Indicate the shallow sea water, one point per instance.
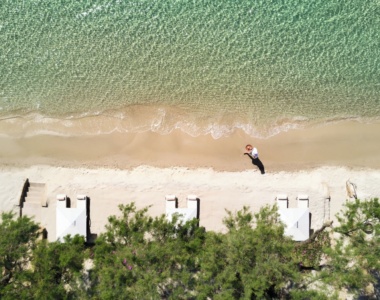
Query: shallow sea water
point(202, 66)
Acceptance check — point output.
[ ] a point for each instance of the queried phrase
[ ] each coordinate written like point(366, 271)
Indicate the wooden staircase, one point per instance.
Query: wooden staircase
point(36, 194)
point(33, 197)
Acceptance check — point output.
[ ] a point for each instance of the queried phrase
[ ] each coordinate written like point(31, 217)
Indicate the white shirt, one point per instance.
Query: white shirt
point(255, 153)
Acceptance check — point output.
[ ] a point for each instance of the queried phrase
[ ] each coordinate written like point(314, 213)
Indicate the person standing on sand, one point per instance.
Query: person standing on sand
point(254, 155)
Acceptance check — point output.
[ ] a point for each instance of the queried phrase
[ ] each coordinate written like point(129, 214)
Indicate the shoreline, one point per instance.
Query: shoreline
point(122, 168)
point(345, 144)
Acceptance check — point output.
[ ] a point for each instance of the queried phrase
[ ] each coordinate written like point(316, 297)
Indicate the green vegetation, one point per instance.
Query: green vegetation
point(140, 257)
point(355, 255)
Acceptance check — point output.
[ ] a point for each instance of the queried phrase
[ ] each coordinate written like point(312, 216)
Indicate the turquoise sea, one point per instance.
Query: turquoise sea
point(206, 66)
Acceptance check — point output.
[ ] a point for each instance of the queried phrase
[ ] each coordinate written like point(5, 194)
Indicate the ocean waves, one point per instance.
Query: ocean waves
point(211, 67)
point(139, 119)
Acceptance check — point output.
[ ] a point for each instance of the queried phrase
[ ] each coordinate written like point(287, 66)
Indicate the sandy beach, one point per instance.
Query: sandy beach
point(346, 143)
point(120, 168)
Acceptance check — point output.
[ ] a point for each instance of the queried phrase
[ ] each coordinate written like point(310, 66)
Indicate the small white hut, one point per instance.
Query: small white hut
point(185, 214)
point(71, 220)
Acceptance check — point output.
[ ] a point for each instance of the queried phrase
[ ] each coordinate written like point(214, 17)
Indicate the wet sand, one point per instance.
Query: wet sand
point(349, 144)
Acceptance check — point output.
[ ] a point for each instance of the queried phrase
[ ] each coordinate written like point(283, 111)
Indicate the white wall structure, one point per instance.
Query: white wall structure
point(185, 214)
point(282, 201)
point(303, 201)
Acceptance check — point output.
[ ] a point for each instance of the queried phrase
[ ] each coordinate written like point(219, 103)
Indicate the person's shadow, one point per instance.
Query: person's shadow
point(257, 162)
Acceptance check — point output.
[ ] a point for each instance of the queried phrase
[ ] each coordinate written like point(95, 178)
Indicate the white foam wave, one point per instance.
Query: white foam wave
point(157, 122)
point(160, 121)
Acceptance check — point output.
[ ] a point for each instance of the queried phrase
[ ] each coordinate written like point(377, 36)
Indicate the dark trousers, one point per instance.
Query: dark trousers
point(257, 162)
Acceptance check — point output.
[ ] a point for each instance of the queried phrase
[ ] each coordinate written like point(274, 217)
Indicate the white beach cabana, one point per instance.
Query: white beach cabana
point(71, 220)
point(297, 223)
point(186, 214)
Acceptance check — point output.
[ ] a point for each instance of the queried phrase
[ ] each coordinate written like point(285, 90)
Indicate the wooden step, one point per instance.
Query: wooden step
point(37, 184)
point(32, 210)
point(33, 199)
point(37, 187)
point(34, 193)
point(42, 201)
